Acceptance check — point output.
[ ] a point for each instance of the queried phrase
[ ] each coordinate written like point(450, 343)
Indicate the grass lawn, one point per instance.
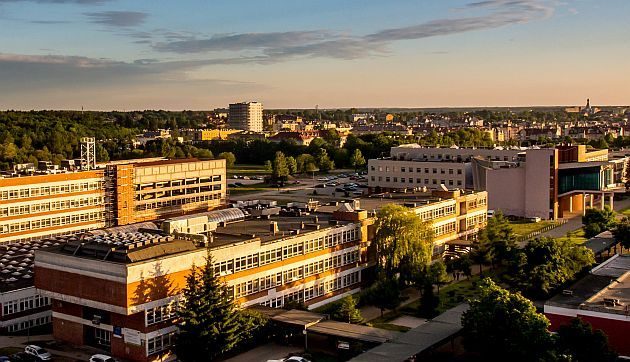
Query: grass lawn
point(247, 170)
point(523, 228)
point(248, 189)
point(383, 322)
point(576, 236)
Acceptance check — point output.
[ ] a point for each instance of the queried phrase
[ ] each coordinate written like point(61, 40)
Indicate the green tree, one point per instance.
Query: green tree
point(347, 311)
point(254, 328)
point(596, 221)
point(356, 160)
point(303, 160)
point(384, 294)
point(400, 235)
point(622, 232)
point(498, 237)
point(545, 264)
point(209, 325)
point(579, 341)
point(280, 170)
point(292, 165)
point(229, 158)
point(437, 274)
point(268, 166)
point(501, 325)
point(323, 161)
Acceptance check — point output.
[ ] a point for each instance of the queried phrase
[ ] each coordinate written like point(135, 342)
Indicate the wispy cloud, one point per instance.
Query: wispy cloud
point(117, 18)
point(283, 46)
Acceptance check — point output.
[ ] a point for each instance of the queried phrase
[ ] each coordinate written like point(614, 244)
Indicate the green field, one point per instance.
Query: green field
point(575, 236)
point(247, 170)
point(524, 228)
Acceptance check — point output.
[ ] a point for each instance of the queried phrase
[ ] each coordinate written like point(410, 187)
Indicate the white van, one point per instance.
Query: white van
point(490, 213)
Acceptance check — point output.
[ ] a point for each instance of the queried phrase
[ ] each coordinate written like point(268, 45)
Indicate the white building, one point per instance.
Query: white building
point(246, 116)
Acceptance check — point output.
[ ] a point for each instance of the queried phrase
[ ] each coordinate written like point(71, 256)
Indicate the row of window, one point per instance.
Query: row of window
point(178, 183)
point(178, 201)
point(481, 201)
point(47, 205)
point(294, 274)
point(23, 304)
point(161, 313)
point(427, 181)
point(444, 229)
point(431, 214)
point(476, 219)
point(29, 324)
point(160, 343)
point(50, 221)
point(255, 260)
point(452, 157)
point(37, 190)
point(427, 170)
point(314, 291)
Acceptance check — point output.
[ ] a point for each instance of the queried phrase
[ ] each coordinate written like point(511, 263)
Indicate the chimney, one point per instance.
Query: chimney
point(273, 227)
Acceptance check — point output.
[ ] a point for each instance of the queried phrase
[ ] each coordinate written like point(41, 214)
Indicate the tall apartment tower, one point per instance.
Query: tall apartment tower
point(247, 116)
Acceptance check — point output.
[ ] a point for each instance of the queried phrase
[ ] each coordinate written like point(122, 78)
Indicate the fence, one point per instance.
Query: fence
point(536, 233)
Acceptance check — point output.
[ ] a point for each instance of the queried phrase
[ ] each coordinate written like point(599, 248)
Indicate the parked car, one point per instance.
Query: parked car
point(22, 357)
point(101, 358)
point(246, 177)
point(235, 177)
point(5, 359)
point(320, 186)
point(339, 189)
point(38, 352)
point(239, 184)
point(233, 185)
point(358, 193)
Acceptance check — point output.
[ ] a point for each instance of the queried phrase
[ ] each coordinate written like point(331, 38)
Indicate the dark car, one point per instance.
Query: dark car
point(4, 359)
point(239, 184)
point(22, 357)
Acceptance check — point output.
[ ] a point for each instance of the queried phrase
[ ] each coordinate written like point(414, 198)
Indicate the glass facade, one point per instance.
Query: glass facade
point(579, 179)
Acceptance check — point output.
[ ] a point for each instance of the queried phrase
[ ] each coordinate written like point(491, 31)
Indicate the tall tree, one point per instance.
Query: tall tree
point(501, 325)
point(401, 235)
point(229, 158)
point(545, 264)
point(622, 232)
point(596, 221)
point(357, 160)
point(280, 170)
point(499, 238)
point(347, 311)
point(209, 325)
point(323, 161)
point(583, 344)
point(292, 165)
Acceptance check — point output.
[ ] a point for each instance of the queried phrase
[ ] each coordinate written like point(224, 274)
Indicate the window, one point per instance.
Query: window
point(402, 169)
point(161, 313)
point(459, 172)
point(160, 343)
point(435, 170)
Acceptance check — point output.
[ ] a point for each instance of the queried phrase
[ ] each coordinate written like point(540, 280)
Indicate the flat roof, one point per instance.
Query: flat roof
point(354, 331)
point(609, 280)
point(261, 228)
point(16, 263)
point(418, 339)
point(298, 318)
point(601, 242)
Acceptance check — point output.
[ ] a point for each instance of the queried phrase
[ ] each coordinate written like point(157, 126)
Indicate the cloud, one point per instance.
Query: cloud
point(117, 18)
point(283, 46)
point(237, 42)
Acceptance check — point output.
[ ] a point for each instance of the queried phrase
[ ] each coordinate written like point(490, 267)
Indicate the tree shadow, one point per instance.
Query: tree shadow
point(157, 286)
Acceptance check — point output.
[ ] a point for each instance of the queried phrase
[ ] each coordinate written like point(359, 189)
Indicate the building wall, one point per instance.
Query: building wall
point(437, 153)
point(246, 116)
point(178, 188)
point(506, 190)
point(34, 207)
point(391, 174)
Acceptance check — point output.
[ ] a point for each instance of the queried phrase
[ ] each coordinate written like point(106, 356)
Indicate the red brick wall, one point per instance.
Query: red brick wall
point(122, 350)
point(81, 286)
point(618, 332)
point(68, 332)
point(557, 321)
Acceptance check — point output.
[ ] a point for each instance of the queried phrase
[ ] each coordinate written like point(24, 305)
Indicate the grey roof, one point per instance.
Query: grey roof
point(418, 339)
point(601, 242)
point(353, 331)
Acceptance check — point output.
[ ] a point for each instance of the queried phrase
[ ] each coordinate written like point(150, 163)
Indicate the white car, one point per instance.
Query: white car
point(290, 359)
point(101, 358)
point(38, 352)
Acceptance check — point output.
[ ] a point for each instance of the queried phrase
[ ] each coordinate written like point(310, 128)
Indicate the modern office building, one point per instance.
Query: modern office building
point(151, 190)
point(247, 116)
point(120, 291)
point(32, 207)
point(601, 298)
point(545, 183)
point(38, 206)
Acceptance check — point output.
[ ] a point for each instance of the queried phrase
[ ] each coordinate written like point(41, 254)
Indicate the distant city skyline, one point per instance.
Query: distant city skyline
point(134, 55)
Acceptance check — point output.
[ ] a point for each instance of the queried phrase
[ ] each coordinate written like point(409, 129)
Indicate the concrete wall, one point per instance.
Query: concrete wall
point(506, 190)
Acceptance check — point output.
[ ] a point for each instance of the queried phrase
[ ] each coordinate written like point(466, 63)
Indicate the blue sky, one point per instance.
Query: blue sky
point(114, 54)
